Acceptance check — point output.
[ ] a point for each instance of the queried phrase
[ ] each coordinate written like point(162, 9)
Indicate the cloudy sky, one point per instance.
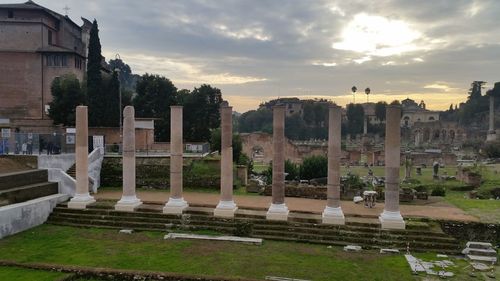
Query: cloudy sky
point(256, 50)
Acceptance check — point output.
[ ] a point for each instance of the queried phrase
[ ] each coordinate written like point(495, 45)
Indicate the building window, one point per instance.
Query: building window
point(431, 118)
point(10, 14)
point(57, 60)
point(50, 37)
point(78, 63)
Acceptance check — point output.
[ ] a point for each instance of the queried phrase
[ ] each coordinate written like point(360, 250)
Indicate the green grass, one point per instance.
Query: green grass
point(148, 251)
point(485, 210)
point(23, 274)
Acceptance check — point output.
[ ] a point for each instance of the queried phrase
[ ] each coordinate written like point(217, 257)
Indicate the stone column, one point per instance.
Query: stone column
point(176, 203)
point(391, 217)
point(82, 197)
point(226, 206)
point(492, 136)
point(333, 212)
point(278, 209)
point(129, 201)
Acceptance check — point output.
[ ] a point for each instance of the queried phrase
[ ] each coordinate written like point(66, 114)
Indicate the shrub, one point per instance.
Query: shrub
point(483, 194)
point(495, 192)
point(438, 191)
point(292, 170)
point(462, 188)
point(421, 188)
point(314, 167)
point(353, 182)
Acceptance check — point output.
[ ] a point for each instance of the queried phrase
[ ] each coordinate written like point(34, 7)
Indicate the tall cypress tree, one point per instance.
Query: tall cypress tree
point(96, 101)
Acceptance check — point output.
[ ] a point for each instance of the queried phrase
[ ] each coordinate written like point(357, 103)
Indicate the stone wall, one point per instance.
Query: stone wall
point(154, 172)
point(472, 231)
point(312, 192)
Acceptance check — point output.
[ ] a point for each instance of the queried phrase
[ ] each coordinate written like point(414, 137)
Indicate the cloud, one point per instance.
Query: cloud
point(182, 72)
point(254, 50)
point(378, 36)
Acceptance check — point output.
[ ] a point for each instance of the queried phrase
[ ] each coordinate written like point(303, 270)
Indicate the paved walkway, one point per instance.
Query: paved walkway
point(439, 210)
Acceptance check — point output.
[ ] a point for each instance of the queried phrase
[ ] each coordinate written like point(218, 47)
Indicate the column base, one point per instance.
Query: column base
point(80, 201)
point(128, 204)
point(333, 216)
point(391, 220)
point(277, 212)
point(491, 136)
point(225, 209)
point(175, 206)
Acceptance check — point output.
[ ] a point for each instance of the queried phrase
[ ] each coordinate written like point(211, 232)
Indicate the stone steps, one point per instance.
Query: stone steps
point(22, 178)
point(72, 171)
point(368, 236)
point(256, 227)
point(258, 223)
point(27, 192)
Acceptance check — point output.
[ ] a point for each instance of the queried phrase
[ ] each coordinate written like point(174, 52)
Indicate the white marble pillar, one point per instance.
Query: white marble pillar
point(491, 136)
point(226, 207)
point(333, 212)
point(82, 197)
point(129, 201)
point(278, 209)
point(176, 203)
point(391, 217)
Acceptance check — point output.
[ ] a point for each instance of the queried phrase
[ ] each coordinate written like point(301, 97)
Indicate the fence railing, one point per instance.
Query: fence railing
point(33, 143)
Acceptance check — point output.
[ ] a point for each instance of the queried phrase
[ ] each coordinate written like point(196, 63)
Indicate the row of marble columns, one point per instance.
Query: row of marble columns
point(332, 214)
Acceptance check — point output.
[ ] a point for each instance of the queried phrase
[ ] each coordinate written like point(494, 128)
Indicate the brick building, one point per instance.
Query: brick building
point(36, 46)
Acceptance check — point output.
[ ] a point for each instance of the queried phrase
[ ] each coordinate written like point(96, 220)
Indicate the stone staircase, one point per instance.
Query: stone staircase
point(22, 186)
point(72, 171)
point(301, 227)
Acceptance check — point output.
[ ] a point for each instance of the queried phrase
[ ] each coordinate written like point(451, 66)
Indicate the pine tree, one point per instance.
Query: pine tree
point(96, 100)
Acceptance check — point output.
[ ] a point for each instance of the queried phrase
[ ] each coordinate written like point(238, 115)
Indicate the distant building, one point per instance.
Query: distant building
point(36, 46)
point(292, 105)
point(413, 112)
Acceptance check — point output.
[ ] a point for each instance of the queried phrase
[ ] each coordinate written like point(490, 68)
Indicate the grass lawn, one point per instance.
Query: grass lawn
point(485, 210)
point(148, 251)
point(23, 274)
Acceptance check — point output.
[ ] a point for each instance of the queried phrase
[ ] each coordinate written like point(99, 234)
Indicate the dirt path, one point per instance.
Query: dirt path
point(9, 165)
point(435, 210)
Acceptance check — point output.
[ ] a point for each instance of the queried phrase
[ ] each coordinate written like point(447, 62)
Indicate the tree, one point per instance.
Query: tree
point(215, 144)
point(380, 110)
point(127, 79)
point(294, 127)
point(355, 118)
point(475, 89)
point(292, 170)
point(256, 120)
point(112, 101)
point(66, 96)
point(96, 100)
point(155, 95)
point(202, 112)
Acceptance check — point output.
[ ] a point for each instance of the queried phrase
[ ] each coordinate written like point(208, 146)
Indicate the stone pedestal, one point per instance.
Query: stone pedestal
point(82, 197)
point(333, 212)
point(176, 203)
point(129, 201)
point(278, 209)
point(391, 217)
point(226, 207)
